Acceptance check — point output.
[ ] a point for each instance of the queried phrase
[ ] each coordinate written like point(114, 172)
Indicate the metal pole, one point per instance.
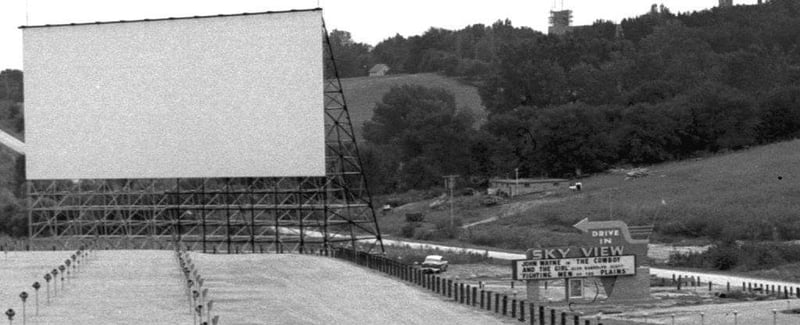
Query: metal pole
point(252, 220)
point(451, 202)
point(203, 212)
point(228, 213)
point(29, 201)
point(325, 214)
point(275, 214)
point(178, 206)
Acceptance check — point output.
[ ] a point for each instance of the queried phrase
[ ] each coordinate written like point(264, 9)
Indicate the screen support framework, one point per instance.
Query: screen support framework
point(297, 214)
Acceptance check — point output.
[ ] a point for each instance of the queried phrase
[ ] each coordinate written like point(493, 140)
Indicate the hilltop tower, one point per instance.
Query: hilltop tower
point(725, 3)
point(560, 22)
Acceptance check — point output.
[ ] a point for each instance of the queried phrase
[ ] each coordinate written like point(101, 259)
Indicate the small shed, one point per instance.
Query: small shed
point(378, 70)
point(514, 187)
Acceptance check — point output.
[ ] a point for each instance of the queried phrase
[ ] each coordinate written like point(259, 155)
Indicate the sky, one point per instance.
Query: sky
point(368, 21)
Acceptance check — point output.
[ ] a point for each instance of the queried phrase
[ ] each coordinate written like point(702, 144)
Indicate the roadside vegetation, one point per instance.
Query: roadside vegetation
point(774, 260)
point(410, 255)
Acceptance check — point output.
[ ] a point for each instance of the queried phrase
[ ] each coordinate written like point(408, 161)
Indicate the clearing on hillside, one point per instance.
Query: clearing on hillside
point(302, 289)
point(749, 194)
point(363, 92)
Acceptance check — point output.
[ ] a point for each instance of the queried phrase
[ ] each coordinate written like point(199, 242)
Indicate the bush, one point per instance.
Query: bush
point(415, 217)
point(408, 230)
point(744, 257)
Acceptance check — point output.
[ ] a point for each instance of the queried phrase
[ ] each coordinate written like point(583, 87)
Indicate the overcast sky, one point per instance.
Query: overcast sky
point(369, 21)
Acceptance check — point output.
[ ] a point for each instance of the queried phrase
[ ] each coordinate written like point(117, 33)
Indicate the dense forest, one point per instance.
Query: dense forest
point(657, 87)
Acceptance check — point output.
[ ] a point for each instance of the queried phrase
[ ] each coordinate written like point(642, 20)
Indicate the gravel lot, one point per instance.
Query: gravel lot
point(297, 289)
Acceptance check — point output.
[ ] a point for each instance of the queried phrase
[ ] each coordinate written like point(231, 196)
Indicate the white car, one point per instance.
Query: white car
point(434, 264)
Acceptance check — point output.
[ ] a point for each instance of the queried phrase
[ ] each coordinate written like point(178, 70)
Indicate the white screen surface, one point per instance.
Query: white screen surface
point(234, 96)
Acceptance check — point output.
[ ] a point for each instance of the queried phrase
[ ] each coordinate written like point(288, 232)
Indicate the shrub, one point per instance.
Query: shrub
point(415, 217)
point(408, 230)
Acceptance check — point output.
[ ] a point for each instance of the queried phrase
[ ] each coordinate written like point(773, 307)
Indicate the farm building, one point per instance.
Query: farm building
point(514, 187)
point(378, 70)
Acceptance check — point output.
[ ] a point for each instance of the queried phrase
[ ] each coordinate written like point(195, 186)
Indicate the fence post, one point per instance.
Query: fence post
point(532, 312)
point(449, 288)
point(541, 315)
point(552, 317)
point(505, 305)
point(483, 299)
point(521, 310)
point(563, 318)
point(455, 291)
point(513, 308)
point(496, 303)
point(576, 320)
point(469, 289)
point(474, 296)
point(461, 293)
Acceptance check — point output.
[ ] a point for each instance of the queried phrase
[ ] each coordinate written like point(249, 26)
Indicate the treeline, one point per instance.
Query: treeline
point(468, 52)
point(657, 87)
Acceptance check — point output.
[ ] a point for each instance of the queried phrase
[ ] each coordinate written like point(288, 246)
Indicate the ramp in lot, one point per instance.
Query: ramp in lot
point(115, 287)
point(303, 289)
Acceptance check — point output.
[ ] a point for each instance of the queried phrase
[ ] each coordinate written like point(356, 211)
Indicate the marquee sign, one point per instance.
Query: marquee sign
point(606, 251)
point(564, 268)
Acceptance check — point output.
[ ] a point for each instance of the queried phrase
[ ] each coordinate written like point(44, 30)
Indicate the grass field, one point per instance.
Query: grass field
point(363, 92)
point(751, 194)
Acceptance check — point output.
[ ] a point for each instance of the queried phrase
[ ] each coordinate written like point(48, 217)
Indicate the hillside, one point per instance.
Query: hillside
point(748, 195)
point(363, 92)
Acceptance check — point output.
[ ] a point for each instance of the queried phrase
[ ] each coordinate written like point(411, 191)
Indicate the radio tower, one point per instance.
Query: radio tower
point(560, 20)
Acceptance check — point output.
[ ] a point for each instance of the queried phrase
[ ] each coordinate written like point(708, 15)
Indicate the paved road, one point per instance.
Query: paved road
point(717, 279)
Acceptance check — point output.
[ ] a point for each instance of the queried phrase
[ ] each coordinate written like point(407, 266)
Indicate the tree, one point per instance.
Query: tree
point(575, 138)
point(393, 52)
point(352, 59)
point(431, 137)
point(722, 118)
point(11, 87)
point(780, 115)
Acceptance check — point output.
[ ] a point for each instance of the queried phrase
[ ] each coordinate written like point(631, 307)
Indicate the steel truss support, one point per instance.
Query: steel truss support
point(220, 214)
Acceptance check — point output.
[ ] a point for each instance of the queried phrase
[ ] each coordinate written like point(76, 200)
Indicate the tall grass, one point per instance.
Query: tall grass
point(747, 195)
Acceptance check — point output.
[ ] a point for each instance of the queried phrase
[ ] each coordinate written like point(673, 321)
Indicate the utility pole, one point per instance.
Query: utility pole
point(450, 183)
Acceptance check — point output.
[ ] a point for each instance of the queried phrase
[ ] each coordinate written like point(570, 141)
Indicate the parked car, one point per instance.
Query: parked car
point(434, 264)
